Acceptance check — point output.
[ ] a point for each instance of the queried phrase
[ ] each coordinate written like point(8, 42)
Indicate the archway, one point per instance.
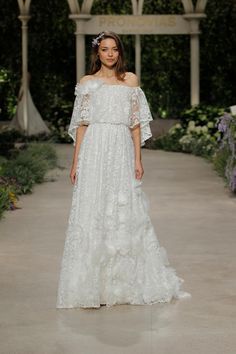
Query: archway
point(136, 24)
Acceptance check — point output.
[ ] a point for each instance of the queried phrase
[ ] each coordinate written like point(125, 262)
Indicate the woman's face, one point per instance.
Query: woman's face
point(108, 52)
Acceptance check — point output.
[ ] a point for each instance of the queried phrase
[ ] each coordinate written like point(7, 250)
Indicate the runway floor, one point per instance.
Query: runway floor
point(195, 219)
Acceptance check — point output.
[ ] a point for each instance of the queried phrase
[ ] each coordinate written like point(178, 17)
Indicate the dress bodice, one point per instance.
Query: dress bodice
point(99, 102)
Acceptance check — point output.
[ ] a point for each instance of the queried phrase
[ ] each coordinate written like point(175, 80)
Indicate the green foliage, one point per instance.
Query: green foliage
point(9, 137)
point(165, 59)
point(170, 141)
point(198, 144)
point(218, 59)
point(22, 170)
point(43, 151)
point(197, 133)
point(205, 133)
point(165, 77)
point(7, 90)
point(226, 152)
point(220, 159)
point(7, 140)
point(4, 200)
point(18, 175)
point(3, 160)
point(60, 120)
point(201, 115)
point(31, 164)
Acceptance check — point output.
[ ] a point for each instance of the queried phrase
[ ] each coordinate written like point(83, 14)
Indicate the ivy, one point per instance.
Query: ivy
point(165, 59)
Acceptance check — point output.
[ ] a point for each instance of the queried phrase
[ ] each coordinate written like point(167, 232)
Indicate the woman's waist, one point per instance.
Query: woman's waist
point(109, 122)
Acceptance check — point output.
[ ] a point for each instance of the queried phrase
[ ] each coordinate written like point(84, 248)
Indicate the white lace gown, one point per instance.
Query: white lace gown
point(111, 253)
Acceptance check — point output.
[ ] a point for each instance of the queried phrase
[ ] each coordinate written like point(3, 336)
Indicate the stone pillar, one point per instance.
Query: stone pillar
point(80, 43)
point(194, 20)
point(24, 22)
point(138, 56)
point(195, 72)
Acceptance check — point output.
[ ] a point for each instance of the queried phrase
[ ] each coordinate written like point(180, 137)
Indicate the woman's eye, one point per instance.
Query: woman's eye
point(116, 49)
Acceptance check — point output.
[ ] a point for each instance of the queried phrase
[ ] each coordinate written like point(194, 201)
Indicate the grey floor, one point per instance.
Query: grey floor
point(195, 220)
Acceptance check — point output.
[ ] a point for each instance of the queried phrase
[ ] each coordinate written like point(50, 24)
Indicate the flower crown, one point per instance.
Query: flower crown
point(95, 41)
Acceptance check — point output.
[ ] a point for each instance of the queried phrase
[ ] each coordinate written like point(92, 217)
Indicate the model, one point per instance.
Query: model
point(111, 253)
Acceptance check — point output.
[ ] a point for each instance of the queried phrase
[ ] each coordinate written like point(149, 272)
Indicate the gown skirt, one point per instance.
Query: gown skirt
point(112, 254)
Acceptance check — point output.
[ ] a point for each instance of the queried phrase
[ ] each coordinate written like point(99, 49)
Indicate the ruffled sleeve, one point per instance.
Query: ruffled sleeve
point(140, 114)
point(81, 111)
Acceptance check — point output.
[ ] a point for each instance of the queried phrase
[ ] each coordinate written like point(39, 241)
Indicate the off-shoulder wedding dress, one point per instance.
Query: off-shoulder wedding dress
point(111, 253)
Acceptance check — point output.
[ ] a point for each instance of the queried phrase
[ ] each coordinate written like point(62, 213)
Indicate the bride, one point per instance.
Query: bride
point(112, 254)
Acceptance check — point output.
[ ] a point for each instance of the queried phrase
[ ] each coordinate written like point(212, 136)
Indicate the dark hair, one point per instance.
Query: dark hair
point(95, 63)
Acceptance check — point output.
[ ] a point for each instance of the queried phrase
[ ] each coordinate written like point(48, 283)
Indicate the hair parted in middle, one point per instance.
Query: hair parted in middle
point(95, 63)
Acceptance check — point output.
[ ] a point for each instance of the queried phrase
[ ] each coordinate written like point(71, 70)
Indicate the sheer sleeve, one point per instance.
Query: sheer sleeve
point(140, 114)
point(81, 111)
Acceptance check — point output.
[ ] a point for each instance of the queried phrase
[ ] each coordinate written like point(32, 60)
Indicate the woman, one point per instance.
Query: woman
point(111, 254)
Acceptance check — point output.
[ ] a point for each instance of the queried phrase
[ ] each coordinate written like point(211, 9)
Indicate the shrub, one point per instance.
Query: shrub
point(45, 151)
point(196, 133)
point(7, 141)
point(220, 159)
point(170, 141)
point(8, 194)
point(226, 152)
point(22, 172)
point(201, 115)
point(199, 133)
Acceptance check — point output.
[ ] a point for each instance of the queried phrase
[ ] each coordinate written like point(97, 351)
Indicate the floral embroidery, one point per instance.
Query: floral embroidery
point(98, 102)
point(111, 254)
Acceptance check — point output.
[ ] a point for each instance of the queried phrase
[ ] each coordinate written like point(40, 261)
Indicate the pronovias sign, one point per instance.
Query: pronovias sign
point(132, 24)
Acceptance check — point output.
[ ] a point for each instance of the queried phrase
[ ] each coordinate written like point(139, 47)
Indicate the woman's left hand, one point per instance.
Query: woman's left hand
point(139, 170)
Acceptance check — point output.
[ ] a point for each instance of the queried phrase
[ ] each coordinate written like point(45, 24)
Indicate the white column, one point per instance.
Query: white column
point(138, 56)
point(80, 43)
point(195, 72)
point(24, 21)
point(80, 53)
point(194, 20)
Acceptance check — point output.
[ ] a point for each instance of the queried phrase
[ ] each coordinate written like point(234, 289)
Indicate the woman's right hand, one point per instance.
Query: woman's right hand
point(73, 174)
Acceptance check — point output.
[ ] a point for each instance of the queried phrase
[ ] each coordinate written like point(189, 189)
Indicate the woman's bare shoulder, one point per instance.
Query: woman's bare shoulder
point(131, 79)
point(86, 78)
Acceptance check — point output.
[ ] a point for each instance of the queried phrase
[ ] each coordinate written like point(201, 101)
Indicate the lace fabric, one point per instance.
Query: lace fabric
point(140, 114)
point(96, 102)
point(80, 114)
point(111, 254)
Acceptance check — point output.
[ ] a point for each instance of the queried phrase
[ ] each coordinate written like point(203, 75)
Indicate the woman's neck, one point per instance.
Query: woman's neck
point(106, 72)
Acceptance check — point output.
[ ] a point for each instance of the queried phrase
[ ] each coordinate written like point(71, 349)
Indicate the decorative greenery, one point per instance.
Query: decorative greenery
point(165, 59)
point(202, 115)
point(197, 133)
point(225, 157)
point(170, 141)
point(7, 141)
point(220, 159)
point(18, 175)
point(212, 137)
point(7, 90)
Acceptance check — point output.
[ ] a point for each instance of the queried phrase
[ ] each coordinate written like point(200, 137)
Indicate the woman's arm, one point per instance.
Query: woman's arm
point(133, 81)
point(79, 137)
point(136, 136)
point(139, 171)
point(80, 131)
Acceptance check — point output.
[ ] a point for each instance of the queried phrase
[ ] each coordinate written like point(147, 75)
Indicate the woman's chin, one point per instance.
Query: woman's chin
point(109, 64)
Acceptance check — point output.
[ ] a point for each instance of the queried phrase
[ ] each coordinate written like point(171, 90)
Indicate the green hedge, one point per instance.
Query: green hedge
point(208, 132)
point(165, 59)
point(18, 175)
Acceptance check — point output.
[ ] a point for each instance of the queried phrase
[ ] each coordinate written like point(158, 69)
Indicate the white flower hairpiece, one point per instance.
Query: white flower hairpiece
point(95, 41)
